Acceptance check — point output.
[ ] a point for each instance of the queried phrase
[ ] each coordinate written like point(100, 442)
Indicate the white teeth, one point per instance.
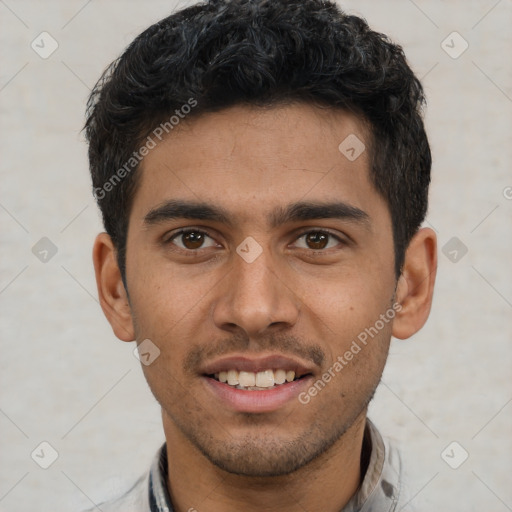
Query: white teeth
point(254, 381)
point(290, 375)
point(247, 379)
point(279, 376)
point(232, 377)
point(265, 379)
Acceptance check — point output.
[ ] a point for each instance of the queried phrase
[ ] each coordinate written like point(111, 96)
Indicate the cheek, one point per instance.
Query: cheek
point(163, 311)
point(169, 316)
point(161, 294)
point(349, 304)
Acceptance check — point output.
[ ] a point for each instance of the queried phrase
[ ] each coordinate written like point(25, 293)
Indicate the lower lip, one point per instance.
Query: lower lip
point(257, 401)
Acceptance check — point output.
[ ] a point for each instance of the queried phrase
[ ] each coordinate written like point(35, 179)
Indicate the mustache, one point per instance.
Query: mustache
point(282, 343)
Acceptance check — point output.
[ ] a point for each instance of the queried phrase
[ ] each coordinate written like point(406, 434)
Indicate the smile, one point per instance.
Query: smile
point(254, 381)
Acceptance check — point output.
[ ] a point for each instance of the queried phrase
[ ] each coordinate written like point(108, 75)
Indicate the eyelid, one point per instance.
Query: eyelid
point(343, 239)
point(169, 237)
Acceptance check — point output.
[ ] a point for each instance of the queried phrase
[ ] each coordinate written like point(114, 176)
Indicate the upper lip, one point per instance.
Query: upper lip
point(257, 364)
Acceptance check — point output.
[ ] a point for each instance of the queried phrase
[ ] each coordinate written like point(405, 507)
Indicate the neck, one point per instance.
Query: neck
point(327, 483)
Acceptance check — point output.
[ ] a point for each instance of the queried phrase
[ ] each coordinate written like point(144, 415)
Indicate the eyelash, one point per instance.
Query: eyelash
point(325, 232)
point(184, 232)
point(300, 235)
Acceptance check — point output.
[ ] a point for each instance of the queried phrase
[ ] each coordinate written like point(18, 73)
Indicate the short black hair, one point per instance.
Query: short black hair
point(221, 53)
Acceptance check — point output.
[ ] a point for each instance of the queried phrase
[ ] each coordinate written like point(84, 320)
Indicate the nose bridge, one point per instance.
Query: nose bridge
point(252, 277)
point(254, 297)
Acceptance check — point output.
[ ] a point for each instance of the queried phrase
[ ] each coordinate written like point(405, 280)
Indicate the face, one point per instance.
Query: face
point(256, 247)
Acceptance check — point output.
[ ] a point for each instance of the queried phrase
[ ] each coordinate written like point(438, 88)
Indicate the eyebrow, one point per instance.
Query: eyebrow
point(177, 209)
point(300, 211)
point(304, 210)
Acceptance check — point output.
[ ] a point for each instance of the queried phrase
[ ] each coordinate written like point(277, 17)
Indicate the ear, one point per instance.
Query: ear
point(416, 284)
point(111, 290)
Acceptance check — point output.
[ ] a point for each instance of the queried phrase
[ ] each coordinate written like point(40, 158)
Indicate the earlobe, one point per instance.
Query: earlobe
point(415, 286)
point(111, 291)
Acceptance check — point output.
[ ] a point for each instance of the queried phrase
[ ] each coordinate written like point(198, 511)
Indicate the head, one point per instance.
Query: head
point(286, 139)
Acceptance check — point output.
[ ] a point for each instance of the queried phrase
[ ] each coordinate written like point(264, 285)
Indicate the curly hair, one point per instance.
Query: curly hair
point(221, 53)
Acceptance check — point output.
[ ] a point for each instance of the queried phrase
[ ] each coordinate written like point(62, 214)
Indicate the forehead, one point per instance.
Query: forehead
point(251, 160)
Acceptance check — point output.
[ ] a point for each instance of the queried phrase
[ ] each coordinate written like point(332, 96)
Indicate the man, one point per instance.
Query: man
point(262, 170)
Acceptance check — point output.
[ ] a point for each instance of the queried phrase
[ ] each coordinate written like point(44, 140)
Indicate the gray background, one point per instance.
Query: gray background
point(65, 378)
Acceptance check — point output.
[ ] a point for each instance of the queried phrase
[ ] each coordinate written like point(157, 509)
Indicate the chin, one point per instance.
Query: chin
point(263, 458)
point(265, 454)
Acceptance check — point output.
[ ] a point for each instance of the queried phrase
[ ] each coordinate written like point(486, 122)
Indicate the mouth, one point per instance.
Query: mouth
point(257, 384)
point(256, 381)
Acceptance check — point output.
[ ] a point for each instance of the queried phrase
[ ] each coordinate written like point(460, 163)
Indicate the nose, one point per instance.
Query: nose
point(255, 297)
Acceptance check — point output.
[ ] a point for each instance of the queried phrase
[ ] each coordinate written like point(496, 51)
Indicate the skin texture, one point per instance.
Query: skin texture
point(296, 298)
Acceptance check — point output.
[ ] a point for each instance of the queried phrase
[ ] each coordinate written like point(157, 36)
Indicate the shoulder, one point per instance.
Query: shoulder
point(383, 483)
point(394, 478)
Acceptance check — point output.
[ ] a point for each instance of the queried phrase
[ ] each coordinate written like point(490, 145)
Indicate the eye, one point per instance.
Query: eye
point(318, 240)
point(192, 239)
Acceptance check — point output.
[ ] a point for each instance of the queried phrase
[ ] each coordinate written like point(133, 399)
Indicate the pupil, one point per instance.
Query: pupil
point(193, 240)
point(316, 240)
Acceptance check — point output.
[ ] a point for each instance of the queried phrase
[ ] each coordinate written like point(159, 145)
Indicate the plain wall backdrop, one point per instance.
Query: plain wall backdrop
point(67, 381)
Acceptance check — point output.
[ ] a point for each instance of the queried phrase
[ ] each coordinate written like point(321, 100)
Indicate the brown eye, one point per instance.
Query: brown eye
point(318, 240)
point(192, 240)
